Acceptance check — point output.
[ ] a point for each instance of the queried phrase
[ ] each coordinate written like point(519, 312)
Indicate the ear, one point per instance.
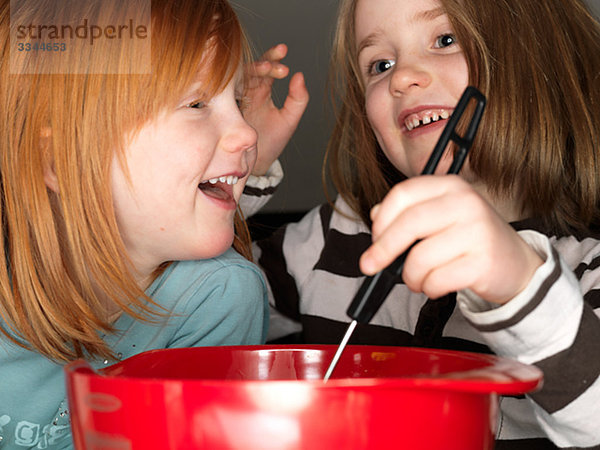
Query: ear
point(48, 159)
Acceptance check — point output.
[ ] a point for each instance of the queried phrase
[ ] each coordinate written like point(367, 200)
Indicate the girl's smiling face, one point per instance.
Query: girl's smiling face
point(185, 172)
point(414, 73)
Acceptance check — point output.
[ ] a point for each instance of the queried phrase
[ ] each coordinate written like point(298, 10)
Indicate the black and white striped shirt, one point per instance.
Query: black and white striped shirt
point(312, 270)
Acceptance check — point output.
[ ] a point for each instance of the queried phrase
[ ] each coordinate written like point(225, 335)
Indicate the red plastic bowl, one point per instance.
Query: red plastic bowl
point(273, 397)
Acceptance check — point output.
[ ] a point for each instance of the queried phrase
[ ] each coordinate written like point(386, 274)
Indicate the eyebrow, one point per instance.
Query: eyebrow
point(429, 14)
point(422, 16)
point(368, 41)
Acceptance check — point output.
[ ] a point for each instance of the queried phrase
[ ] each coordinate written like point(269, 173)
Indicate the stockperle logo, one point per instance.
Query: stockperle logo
point(80, 36)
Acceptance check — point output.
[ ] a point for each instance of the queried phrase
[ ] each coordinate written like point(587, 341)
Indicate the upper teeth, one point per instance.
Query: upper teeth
point(425, 117)
point(230, 179)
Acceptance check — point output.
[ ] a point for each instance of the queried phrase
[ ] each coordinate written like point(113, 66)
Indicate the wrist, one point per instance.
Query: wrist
point(260, 169)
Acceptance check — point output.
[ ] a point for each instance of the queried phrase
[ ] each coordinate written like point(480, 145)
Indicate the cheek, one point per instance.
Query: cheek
point(457, 73)
point(377, 112)
point(380, 116)
point(121, 190)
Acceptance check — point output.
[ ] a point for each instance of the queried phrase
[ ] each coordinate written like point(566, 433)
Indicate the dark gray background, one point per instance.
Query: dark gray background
point(306, 26)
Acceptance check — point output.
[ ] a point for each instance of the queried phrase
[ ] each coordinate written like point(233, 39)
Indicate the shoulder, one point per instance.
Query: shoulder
point(222, 265)
point(225, 275)
point(218, 301)
point(321, 219)
point(330, 238)
point(345, 220)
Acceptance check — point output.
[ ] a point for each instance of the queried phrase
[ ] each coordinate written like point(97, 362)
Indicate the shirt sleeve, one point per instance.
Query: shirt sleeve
point(551, 326)
point(287, 257)
point(259, 190)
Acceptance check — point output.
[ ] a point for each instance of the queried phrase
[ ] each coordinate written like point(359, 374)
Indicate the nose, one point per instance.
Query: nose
point(407, 76)
point(238, 136)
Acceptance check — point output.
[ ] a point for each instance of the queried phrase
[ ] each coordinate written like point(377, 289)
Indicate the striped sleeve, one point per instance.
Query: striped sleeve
point(259, 190)
point(287, 258)
point(550, 325)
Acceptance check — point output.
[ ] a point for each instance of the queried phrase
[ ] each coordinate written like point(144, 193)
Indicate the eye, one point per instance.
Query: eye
point(381, 66)
point(445, 40)
point(198, 104)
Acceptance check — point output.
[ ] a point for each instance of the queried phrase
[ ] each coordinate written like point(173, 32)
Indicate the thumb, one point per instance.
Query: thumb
point(297, 98)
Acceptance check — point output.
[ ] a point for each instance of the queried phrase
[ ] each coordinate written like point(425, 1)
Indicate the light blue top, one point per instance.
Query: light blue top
point(221, 301)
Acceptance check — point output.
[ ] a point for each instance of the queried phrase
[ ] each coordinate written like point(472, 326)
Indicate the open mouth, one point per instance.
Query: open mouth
point(424, 118)
point(220, 188)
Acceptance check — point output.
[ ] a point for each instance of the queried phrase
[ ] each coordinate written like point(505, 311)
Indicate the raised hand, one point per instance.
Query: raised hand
point(275, 126)
point(464, 241)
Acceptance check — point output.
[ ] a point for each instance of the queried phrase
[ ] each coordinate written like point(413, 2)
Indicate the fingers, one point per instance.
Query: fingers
point(297, 99)
point(271, 69)
point(401, 219)
point(269, 65)
point(275, 53)
point(432, 260)
point(275, 125)
point(408, 193)
point(263, 73)
point(496, 267)
point(415, 209)
point(450, 277)
point(461, 241)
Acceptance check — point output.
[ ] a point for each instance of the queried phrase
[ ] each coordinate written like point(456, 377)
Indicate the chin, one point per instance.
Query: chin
point(218, 245)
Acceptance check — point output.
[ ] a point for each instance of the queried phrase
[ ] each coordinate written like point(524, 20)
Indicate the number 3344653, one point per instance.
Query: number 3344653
point(46, 47)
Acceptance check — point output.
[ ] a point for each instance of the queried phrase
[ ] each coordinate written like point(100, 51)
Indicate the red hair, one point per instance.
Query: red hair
point(54, 245)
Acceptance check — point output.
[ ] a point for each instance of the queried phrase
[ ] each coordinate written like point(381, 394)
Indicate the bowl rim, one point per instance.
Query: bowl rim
point(500, 375)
